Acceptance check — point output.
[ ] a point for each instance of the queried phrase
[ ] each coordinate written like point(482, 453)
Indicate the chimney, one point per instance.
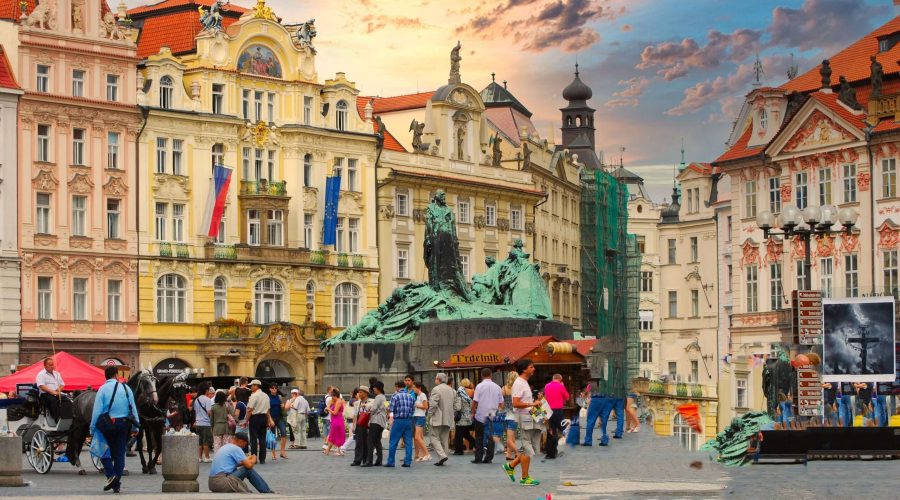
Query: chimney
point(368, 110)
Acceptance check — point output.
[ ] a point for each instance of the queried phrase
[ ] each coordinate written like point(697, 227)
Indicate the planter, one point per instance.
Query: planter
point(11, 461)
point(656, 387)
point(696, 390)
point(681, 390)
point(180, 467)
point(359, 261)
point(317, 257)
point(343, 260)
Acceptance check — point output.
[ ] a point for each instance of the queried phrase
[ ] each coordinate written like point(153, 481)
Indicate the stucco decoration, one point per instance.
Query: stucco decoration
point(849, 243)
point(263, 11)
point(259, 60)
point(45, 181)
point(819, 130)
point(863, 179)
point(43, 16)
point(81, 184)
point(386, 212)
point(305, 34)
point(888, 235)
point(280, 338)
point(115, 186)
point(798, 248)
point(110, 29)
point(774, 250)
point(750, 253)
point(529, 228)
point(825, 246)
point(786, 193)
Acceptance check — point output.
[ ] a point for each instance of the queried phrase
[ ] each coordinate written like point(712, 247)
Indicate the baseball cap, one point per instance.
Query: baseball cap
point(363, 388)
point(255, 382)
point(241, 435)
point(295, 391)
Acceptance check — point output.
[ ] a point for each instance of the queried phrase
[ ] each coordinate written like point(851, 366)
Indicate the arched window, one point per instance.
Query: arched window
point(170, 299)
point(763, 119)
point(311, 299)
point(578, 121)
point(307, 170)
point(569, 121)
point(680, 429)
point(346, 305)
point(218, 154)
point(269, 298)
point(340, 115)
point(220, 298)
point(166, 90)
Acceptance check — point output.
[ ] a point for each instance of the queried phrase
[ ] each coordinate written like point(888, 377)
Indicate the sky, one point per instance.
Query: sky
point(662, 72)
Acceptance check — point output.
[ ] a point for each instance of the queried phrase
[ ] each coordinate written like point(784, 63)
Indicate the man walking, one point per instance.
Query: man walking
point(600, 407)
point(115, 402)
point(202, 425)
point(522, 403)
point(556, 395)
point(50, 384)
point(230, 467)
point(361, 453)
point(377, 423)
point(300, 406)
point(488, 398)
point(258, 411)
point(441, 406)
point(401, 409)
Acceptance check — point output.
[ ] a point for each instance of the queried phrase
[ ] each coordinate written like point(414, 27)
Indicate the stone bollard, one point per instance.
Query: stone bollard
point(180, 467)
point(11, 461)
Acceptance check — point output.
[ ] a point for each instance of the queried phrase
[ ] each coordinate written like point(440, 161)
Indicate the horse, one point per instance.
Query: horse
point(82, 411)
point(151, 399)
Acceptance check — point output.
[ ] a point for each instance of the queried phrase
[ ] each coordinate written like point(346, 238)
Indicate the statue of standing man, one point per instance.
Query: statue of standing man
point(442, 248)
point(877, 76)
point(455, 58)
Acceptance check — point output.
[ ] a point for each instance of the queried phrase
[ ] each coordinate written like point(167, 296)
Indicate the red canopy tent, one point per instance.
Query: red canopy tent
point(76, 374)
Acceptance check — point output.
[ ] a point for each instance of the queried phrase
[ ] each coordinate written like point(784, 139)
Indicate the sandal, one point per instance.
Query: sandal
point(284, 456)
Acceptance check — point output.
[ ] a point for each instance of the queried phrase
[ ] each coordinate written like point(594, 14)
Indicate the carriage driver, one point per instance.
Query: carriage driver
point(50, 384)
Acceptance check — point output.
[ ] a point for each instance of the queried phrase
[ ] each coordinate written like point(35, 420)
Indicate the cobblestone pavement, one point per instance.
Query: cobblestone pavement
point(641, 465)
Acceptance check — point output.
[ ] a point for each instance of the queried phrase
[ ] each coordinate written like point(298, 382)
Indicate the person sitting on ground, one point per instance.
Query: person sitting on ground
point(230, 467)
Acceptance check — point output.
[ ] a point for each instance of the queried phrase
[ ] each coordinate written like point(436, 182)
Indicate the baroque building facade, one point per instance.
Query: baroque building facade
point(259, 296)
point(10, 278)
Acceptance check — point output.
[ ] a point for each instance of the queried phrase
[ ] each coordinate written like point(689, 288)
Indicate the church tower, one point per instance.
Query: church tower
point(578, 122)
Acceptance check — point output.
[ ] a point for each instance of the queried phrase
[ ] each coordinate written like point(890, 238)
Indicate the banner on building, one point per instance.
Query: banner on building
point(332, 196)
point(215, 202)
point(859, 340)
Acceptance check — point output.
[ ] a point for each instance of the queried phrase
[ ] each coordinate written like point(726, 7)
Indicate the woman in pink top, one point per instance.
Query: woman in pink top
point(338, 433)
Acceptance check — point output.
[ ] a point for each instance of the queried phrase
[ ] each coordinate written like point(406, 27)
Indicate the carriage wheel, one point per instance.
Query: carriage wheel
point(40, 452)
point(97, 463)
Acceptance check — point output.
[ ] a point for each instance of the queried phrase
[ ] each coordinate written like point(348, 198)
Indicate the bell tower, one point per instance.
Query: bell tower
point(578, 122)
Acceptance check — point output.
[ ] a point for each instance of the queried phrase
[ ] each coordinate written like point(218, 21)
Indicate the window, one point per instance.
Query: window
point(112, 87)
point(402, 204)
point(352, 175)
point(849, 172)
point(271, 107)
point(177, 222)
point(307, 170)
point(694, 250)
point(268, 297)
point(775, 291)
point(752, 289)
point(515, 219)
point(78, 146)
point(170, 299)
point(740, 396)
point(79, 299)
point(346, 305)
point(42, 221)
point(307, 110)
point(730, 278)
point(275, 225)
point(890, 272)
point(43, 78)
point(77, 83)
point(339, 237)
point(340, 115)
point(671, 243)
point(258, 164)
point(826, 270)
point(162, 145)
point(220, 299)
point(162, 210)
point(801, 190)
point(750, 199)
point(253, 223)
point(112, 219)
point(646, 352)
point(166, 90)
point(218, 98)
point(695, 371)
point(465, 215)
point(673, 304)
point(801, 276)
point(645, 320)
point(311, 299)
point(490, 215)
point(45, 297)
point(353, 225)
point(673, 370)
point(308, 230)
point(43, 143)
point(695, 303)
point(246, 163)
point(729, 227)
point(888, 178)
point(258, 105)
point(79, 207)
point(114, 300)
point(112, 150)
point(464, 265)
point(824, 187)
point(402, 263)
point(646, 281)
point(177, 154)
point(774, 195)
point(851, 275)
point(220, 234)
point(683, 432)
point(218, 154)
point(245, 104)
point(763, 119)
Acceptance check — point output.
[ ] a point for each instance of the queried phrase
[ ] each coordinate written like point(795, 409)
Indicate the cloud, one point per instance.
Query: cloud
point(621, 102)
point(822, 24)
point(675, 59)
point(378, 22)
point(635, 87)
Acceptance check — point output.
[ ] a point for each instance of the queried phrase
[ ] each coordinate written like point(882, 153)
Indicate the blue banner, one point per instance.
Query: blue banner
point(332, 196)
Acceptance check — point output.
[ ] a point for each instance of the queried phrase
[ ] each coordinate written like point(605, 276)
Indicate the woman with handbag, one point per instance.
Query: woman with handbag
point(361, 455)
point(463, 417)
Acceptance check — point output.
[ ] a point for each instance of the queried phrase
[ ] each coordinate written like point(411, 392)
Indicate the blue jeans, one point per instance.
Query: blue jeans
point(845, 412)
point(880, 410)
point(255, 479)
point(402, 428)
point(601, 407)
point(326, 425)
point(620, 416)
point(116, 438)
point(786, 414)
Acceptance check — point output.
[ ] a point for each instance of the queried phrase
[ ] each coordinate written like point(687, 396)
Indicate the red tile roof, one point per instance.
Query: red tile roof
point(7, 77)
point(390, 142)
point(830, 101)
point(739, 149)
point(176, 30)
point(700, 168)
point(515, 348)
point(853, 62)
point(169, 4)
point(398, 103)
point(510, 122)
point(486, 183)
point(10, 9)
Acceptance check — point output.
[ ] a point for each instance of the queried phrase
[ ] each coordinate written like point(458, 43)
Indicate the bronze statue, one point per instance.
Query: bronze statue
point(442, 248)
point(825, 71)
point(847, 95)
point(455, 58)
point(877, 75)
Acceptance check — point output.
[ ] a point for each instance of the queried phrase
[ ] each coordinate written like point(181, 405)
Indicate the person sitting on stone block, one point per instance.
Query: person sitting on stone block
point(230, 467)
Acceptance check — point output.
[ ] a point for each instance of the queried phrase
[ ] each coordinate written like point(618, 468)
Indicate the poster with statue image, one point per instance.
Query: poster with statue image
point(859, 339)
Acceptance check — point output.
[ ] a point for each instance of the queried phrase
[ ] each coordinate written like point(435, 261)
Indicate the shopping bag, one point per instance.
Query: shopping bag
point(270, 439)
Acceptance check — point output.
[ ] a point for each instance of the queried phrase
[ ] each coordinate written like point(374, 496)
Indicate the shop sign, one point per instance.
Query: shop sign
point(809, 388)
point(169, 367)
point(111, 362)
point(469, 359)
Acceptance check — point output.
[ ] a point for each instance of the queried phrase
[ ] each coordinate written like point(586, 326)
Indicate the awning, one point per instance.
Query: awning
point(502, 352)
point(77, 374)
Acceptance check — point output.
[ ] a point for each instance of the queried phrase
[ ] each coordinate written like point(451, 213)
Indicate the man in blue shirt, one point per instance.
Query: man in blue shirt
point(401, 409)
point(115, 398)
point(230, 466)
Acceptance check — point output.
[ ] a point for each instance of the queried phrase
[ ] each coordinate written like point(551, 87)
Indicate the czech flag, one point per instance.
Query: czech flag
point(332, 196)
point(215, 203)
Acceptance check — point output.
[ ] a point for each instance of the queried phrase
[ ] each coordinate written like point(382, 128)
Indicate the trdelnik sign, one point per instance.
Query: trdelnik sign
point(483, 358)
point(169, 367)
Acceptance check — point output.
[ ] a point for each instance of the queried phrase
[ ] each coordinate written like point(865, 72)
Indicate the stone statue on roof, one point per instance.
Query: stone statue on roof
point(847, 95)
point(305, 34)
point(497, 154)
point(211, 19)
point(825, 72)
point(455, 58)
point(417, 128)
point(877, 75)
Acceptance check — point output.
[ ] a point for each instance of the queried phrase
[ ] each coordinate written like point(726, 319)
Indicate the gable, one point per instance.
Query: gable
point(818, 130)
point(822, 123)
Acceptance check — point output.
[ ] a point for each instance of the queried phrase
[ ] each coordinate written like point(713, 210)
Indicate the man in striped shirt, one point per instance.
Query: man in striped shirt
point(401, 409)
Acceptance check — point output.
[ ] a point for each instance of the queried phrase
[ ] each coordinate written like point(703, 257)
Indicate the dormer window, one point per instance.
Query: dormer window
point(763, 119)
point(341, 115)
point(166, 90)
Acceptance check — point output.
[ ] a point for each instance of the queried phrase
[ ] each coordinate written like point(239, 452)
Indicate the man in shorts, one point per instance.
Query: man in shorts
point(529, 430)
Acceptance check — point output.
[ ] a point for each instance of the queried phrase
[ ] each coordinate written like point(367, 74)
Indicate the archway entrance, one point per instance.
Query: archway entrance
point(274, 368)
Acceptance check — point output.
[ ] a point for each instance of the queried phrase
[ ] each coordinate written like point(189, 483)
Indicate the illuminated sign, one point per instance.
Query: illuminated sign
point(486, 358)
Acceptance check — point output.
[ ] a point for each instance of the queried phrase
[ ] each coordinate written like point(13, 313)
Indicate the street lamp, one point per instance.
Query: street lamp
point(806, 223)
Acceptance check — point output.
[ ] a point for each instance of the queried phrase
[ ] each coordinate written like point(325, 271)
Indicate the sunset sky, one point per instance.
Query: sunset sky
point(661, 70)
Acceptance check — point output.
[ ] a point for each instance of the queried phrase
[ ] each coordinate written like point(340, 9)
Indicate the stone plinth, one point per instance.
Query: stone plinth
point(180, 467)
point(11, 461)
point(348, 365)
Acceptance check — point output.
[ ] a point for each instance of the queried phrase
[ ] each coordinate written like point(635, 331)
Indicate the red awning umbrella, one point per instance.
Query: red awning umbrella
point(76, 374)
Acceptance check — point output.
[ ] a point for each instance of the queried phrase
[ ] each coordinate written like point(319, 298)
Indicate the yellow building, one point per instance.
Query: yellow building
point(256, 299)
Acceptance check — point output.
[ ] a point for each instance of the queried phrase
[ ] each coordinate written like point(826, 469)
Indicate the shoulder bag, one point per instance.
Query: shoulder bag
point(106, 423)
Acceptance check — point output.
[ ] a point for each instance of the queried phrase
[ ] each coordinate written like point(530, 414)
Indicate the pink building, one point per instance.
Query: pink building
point(78, 125)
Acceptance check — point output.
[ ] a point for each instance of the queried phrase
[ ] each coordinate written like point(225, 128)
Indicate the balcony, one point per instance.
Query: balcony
point(657, 388)
point(221, 252)
point(263, 187)
point(179, 250)
point(234, 329)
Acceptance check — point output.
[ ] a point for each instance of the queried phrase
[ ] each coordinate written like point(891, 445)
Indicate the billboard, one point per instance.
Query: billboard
point(859, 340)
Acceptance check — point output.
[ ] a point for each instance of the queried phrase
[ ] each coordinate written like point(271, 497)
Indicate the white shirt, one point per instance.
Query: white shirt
point(521, 390)
point(301, 405)
point(421, 398)
point(52, 381)
point(259, 403)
